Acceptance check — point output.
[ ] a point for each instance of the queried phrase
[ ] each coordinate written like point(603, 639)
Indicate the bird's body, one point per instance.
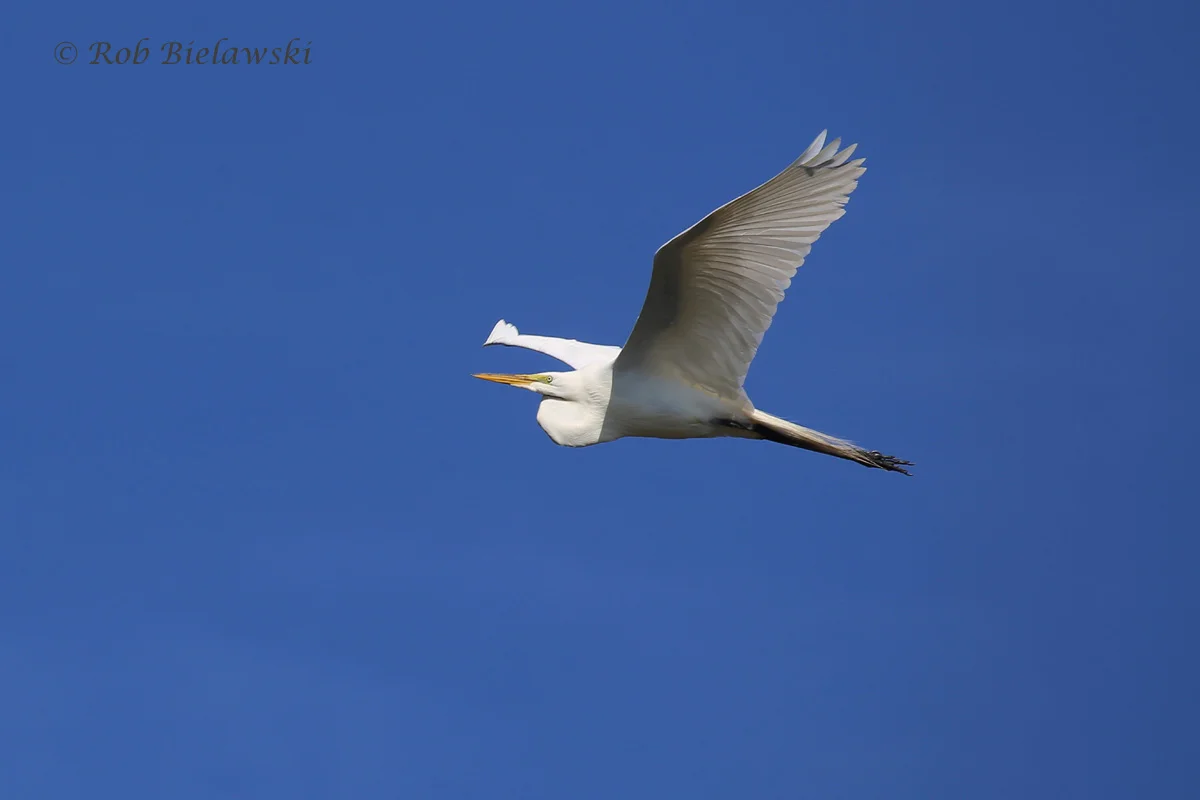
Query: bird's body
point(601, 409)
point(712, 295)
point(653, 407)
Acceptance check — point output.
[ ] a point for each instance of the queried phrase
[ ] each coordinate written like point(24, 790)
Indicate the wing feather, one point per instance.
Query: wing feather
point(715, 287)
point(571, 352)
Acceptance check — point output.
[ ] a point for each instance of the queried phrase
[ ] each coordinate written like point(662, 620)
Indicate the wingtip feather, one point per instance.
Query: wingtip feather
point(843, 157)
point(813, 148)
point(502, 332)
point(823, 154)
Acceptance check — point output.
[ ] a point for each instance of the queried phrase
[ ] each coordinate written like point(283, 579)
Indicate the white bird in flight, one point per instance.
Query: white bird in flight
point(713, 292)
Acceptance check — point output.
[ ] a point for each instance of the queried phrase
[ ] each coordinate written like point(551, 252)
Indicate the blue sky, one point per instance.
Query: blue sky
point(261, 535)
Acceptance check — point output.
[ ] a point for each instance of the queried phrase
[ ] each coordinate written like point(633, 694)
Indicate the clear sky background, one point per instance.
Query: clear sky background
point(263, 536)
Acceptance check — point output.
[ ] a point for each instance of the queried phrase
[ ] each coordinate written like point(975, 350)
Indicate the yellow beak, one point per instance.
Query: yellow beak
point(511, 380)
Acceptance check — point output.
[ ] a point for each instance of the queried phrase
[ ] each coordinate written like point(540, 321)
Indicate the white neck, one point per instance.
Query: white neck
point(574, 414)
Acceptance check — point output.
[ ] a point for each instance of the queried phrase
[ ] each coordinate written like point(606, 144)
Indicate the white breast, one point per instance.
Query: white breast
point(571, 424)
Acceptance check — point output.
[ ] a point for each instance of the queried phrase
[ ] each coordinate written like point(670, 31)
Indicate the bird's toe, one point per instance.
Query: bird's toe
point(890, 463)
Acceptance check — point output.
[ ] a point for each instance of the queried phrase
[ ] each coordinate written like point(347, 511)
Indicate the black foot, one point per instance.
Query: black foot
point(890, 463)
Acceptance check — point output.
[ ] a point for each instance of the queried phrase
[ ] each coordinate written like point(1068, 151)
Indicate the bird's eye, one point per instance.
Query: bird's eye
point(548, 379)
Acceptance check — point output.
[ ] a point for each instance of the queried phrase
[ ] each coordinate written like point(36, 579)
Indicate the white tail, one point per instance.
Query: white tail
point(779, 430)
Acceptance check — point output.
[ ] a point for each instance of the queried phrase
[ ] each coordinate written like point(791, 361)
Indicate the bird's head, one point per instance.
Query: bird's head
point(558, 385)
point(569, 410)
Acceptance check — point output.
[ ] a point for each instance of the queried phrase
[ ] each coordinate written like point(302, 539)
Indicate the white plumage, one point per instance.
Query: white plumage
point(713, 292)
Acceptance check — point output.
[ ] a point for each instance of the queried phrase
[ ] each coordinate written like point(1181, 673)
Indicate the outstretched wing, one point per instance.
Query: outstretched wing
point(715, 287)
point(569, 351)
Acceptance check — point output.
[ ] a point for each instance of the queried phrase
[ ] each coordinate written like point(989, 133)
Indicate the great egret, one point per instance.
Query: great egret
point(713, 293)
